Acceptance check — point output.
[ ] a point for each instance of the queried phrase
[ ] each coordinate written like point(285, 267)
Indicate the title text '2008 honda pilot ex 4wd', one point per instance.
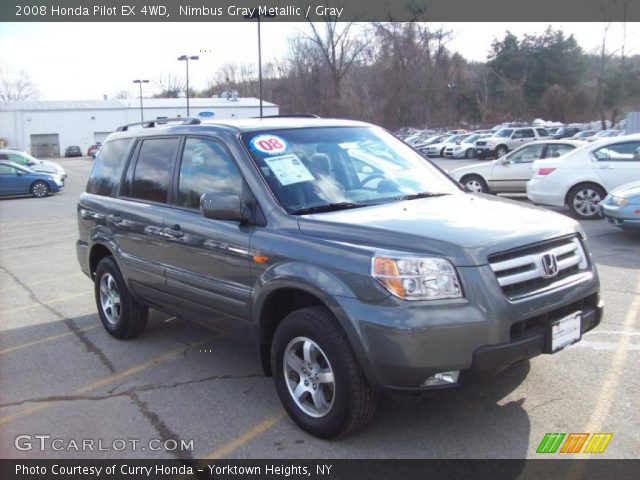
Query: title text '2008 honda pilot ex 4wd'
point(355, 264)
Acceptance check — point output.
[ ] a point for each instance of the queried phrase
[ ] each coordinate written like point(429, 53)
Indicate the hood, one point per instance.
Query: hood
point(47, 167)
point(630, 190)
point(465, 228)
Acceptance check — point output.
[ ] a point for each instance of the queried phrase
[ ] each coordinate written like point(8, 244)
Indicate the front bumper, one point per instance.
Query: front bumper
point(485, 151)
point(401, 344)
point(621, 216)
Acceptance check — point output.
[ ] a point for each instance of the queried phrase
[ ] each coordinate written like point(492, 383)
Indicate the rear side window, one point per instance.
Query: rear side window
point(107, 168)
point(542, 132)
point(206, 168)
point(154, 168)
point(619, 152)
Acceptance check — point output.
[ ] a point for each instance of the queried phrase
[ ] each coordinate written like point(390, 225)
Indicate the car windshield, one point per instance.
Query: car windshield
point(322, 169)
point(504, 133)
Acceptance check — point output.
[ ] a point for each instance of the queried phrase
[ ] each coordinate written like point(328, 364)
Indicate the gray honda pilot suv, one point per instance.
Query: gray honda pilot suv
point(356, 265)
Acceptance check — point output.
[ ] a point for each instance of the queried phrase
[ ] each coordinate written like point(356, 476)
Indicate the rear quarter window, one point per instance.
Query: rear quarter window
point(107, 168)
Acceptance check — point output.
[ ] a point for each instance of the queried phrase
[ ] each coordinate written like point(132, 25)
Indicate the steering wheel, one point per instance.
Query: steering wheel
point(371, 177)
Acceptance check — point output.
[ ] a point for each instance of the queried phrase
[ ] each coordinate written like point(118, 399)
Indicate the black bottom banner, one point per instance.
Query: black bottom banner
point(319, 469)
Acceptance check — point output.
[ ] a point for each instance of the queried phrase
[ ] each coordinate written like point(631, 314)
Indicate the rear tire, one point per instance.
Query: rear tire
point(39, 189)
point(474, 184)
point(317, 376)
point(583, 200)
point(122, 316)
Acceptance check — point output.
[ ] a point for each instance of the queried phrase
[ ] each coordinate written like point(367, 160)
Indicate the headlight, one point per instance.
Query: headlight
point(416, 278)
point(619, 200)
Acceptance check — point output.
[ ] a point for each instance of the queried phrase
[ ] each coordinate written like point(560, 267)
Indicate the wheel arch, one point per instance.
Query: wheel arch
point(582, 183)
point(276, 300)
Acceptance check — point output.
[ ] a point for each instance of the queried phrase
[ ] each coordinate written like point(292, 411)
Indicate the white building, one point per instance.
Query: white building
point(46, 128)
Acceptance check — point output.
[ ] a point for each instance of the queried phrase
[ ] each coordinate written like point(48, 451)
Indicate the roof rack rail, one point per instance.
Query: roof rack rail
point(161, 121)
point(291, 115)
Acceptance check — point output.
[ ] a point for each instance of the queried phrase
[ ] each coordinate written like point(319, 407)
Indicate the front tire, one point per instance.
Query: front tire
point(470, 153)
point(583, 201)
point(317, 376)
point(39, 189)
point(122, 316)
point(474, 184)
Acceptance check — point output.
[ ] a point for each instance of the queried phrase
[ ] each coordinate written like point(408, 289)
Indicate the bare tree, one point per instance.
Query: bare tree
point(603, 60)
point(338, 48)
point(16, 89)
point(170, 87)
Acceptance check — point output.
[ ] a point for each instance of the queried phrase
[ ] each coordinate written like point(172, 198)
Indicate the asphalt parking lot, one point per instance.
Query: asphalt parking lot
point(62, 375)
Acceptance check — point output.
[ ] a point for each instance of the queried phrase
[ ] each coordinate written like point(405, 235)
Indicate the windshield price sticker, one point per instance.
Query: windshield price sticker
point(288, 169)
point(269, 144)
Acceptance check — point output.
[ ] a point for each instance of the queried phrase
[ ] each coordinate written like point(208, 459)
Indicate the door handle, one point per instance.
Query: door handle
point(605, 167)
point(174, 232)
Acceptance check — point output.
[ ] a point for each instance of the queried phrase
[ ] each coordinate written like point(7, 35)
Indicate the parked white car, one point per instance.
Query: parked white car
point(422, 147)
point(507, 139)
point(510, 174)
point(437, 149)
point(25, 160)
point(581, 179)
point(466, 148)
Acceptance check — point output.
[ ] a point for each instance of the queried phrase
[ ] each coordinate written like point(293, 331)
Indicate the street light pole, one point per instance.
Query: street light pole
point(140, 82)
point(185, 58)
point(257, 16)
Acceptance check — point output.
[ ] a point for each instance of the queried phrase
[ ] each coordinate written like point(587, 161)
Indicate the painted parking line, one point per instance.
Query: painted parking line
point(65, 274)
point(108, 380)
point(7, 238)
point(48, 239)
point(616, 370)
point(38, 222)
point(44, 340)
point(245, 437)
point(48, 302)
point(236, 442)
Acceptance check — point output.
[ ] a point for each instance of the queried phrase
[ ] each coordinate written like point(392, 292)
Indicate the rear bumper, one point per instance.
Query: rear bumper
point(545, 192)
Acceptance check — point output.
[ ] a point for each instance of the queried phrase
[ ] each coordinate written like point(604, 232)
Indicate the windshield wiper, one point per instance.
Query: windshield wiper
point(422, 195)
point(330, 207)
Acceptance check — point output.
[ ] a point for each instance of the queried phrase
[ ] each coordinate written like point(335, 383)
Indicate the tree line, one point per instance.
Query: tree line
point(404, 74)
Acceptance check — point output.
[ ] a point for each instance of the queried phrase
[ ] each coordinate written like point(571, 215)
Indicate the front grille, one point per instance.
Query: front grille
point(535, 324)
point(520, 272)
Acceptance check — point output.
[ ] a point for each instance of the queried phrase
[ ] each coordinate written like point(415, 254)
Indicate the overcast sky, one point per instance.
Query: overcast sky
point(83, 61)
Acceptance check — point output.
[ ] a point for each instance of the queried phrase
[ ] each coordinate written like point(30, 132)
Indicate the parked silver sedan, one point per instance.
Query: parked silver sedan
point(510, 174)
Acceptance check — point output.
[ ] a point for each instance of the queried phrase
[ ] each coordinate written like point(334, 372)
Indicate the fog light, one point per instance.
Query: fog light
point(442, 378)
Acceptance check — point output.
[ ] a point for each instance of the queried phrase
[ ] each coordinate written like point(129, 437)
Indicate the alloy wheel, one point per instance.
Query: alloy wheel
point(309, 377)
point(110, 299)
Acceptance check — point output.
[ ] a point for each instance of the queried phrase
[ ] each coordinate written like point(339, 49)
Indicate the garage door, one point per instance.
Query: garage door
point(45, 145)
point(99, 137)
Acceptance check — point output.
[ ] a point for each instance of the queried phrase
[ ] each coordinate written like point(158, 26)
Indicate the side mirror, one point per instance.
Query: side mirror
point(366, 169)
point(223, 206)
point(19, 173)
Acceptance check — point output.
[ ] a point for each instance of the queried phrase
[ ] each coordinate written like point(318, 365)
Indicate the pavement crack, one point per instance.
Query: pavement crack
point(130, 391)
point(540, 405)
point(77, 331)
point(162, 428)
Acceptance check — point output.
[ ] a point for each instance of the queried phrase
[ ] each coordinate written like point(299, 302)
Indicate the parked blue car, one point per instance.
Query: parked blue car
point(622, 206)
point(18, 180)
